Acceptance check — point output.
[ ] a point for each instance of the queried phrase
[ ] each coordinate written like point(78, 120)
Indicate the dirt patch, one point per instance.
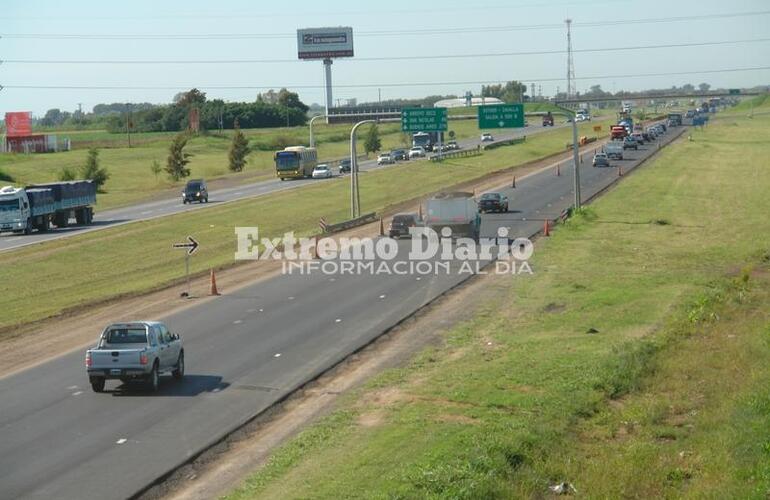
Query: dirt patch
point(371, 419)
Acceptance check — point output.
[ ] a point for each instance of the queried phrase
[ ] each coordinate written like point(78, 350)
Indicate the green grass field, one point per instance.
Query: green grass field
point(667, 398)
point(137, 257)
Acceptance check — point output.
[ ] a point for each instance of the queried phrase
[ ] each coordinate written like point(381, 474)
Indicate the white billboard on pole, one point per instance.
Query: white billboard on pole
point(325, 43)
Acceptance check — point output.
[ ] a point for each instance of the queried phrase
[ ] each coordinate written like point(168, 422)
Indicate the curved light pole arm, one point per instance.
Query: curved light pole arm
point(312, 142)
point(355, 199)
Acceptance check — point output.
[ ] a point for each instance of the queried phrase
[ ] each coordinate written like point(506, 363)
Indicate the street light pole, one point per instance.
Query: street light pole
point(355, 198)
point(312, 142)
point(575, 153)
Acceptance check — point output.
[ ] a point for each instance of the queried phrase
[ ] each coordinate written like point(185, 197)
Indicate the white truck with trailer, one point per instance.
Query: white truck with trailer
point(42, 205)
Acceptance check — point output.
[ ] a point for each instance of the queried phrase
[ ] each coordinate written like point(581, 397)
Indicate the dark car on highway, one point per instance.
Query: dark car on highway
point(195, 190)
point(399, 155)
point(493, 202)
point(345, 166)
point(401, 223)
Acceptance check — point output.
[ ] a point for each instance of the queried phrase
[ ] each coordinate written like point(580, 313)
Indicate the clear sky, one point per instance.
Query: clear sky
point(483, 20)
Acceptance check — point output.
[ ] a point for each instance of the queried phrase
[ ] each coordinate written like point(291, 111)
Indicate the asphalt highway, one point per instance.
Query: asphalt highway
point(244, 351)
point(174, 205)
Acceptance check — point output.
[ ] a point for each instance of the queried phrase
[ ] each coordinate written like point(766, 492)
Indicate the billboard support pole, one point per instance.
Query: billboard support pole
point(328, 78)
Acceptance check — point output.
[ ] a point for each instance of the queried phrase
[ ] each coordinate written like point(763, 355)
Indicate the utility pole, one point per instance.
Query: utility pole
point(570, 63)
point(379, 96)
point(80, 114)
point(128, 123)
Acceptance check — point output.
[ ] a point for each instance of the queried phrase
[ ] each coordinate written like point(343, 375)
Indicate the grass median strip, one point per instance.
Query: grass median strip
point(632, 305)
point(137, 257)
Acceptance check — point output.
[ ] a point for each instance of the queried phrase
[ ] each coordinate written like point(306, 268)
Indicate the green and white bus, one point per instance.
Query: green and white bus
point(295, 162)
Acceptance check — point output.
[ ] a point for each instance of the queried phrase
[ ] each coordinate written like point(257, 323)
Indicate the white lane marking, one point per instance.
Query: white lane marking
point(338, 320)
point(291, 298)
point(238, 193)
point(261, 310)
point(382, 296)
point(72, 388)
point(332, 279)
point(250, 310)
point(237, 322)
point(121, 441)
point(77, 393)
point(277, 355)
point(216, 389)
point(418, 278)
point(146, 212)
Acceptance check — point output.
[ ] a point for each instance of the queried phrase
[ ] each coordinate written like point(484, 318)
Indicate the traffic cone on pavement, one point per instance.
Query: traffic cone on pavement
point(546, 228)
point(213, 284)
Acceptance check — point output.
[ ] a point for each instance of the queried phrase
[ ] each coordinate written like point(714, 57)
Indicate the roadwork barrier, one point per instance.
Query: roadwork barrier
point(348, 224)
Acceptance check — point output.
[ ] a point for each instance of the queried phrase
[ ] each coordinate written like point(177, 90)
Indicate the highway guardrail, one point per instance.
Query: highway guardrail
point(462, 153)
point(508, 142)
point(348, 224)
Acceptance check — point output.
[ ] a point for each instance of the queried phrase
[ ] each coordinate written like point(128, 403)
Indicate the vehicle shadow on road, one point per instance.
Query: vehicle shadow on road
point(189, 386)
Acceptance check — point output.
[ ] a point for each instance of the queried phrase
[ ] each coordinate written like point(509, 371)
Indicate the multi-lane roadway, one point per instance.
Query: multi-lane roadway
point(245, 351)
point(172, 206)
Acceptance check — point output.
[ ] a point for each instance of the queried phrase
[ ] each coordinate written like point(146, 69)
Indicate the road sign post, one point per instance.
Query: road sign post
point(501, 116)
point(191, 246)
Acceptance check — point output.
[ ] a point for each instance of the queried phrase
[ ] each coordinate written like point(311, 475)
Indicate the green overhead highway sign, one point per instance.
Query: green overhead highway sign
point(423, 119)
point(501, 116)
point(735, 91)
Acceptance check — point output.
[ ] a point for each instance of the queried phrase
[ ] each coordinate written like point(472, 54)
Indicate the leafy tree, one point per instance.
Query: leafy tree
point(178, 158)
point(372, 142)
point(291, 100)
point(452, 134)
point(512, 91)
point(192, 96)
point(67, 174)
point(91, 169)
point(688, 87)
point(156, 169)
point(704, 87)
point(238, 150)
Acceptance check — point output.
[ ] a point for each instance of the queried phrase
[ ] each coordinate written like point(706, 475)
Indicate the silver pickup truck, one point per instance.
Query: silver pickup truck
point(137, 350)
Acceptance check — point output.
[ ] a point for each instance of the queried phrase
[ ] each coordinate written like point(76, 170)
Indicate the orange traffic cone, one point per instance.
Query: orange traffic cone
point(546, 228)
point(213, 287)
point(513, 184)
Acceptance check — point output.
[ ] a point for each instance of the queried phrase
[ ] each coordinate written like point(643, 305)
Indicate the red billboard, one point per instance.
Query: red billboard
point(18, 124)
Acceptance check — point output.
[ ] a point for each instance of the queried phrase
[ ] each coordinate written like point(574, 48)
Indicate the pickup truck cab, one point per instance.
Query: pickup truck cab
point(137, 350)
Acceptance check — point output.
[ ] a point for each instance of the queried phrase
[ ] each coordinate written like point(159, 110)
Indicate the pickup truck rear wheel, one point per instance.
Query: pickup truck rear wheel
point(178, 372)
point(154, 378)
point(97, 384)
